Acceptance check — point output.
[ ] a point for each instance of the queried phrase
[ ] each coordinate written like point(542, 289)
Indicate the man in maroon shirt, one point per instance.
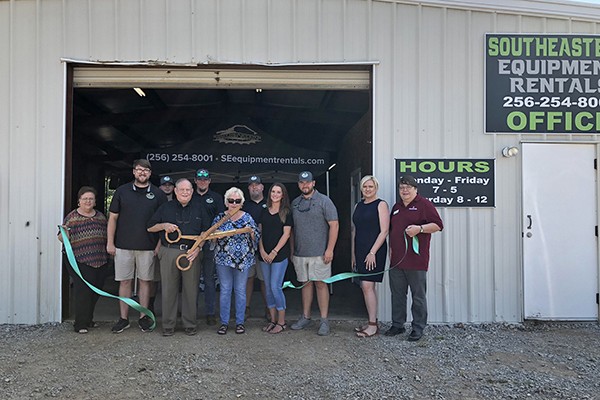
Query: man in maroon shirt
point(413, 216)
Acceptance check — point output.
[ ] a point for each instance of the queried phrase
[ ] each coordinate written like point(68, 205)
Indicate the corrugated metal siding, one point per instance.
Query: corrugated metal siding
point(428, 102)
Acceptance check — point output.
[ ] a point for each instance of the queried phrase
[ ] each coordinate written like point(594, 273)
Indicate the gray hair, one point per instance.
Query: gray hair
point(234, 190)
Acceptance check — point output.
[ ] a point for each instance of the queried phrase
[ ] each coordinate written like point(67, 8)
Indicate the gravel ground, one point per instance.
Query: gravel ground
point(491, 361)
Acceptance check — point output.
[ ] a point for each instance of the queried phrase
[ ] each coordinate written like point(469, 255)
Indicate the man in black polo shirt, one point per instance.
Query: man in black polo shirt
point(255, 207)
point(128, 240)
point(191, 219)
point(214, 204)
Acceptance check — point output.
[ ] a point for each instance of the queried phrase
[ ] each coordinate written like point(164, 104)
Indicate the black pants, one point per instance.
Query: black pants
point(85, 298)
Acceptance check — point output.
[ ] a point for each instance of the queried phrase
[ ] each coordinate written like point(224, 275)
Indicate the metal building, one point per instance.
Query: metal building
point(425, 66)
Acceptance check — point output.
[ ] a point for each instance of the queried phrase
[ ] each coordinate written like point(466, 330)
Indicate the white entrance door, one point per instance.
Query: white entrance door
point(560, 256)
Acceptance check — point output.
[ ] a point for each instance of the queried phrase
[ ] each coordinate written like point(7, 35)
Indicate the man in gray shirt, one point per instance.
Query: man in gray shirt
point(315, 233)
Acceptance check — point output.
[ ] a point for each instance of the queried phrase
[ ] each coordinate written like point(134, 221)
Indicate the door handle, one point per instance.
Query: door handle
point(530, 222)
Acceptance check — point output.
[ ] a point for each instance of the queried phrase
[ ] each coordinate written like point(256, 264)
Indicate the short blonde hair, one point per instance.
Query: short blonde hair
point(369, 178)
point(234, 190)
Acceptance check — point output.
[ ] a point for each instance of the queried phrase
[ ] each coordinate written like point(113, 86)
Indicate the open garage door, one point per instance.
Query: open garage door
point(236, 121)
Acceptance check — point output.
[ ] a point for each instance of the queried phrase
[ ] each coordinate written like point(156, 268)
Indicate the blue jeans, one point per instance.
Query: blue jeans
point(208, 272)
point(274, 274)
point(234, 280)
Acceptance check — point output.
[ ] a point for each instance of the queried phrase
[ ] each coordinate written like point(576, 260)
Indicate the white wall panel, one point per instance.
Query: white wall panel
point(428, 87)
point(6, 270)
point(129, 29)
point(155, 36)
point(281, 30)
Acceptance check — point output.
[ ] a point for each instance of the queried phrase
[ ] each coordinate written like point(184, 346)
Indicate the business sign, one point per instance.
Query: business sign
point(542, 84)
point(238, 148)
point(451, 182)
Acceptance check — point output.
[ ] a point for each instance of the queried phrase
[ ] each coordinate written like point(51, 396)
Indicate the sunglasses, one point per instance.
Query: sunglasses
point(234, 201)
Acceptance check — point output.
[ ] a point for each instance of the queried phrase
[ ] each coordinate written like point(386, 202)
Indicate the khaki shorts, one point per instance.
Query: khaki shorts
point(311, 268)
point(126, 262)
point(256, 270)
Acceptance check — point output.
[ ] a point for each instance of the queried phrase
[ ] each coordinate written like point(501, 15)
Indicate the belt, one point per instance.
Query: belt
point(182, 247)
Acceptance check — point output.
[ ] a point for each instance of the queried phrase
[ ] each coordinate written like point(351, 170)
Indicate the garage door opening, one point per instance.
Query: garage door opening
point(236, 122)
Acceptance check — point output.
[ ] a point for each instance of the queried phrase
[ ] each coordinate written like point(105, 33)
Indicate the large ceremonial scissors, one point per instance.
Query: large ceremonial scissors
point(209, 234)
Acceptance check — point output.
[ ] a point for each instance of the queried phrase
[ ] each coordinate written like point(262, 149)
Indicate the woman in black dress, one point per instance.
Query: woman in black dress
point(370, 225)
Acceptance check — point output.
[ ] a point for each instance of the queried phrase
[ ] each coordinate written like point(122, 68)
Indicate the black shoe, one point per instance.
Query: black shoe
point(414, 336)
point(191, 331)
point(120, 326)
point(211, 320)
point(145, 324)
point(168, 332)
point(394, 330)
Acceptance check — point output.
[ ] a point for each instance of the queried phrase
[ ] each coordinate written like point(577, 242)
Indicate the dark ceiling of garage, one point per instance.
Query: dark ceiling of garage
point(115, 126)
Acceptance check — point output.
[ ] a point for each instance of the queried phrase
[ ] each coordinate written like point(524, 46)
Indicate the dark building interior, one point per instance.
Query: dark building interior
point(181, 130)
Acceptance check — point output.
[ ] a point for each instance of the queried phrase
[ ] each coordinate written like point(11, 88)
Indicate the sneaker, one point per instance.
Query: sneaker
point(414, 336)
point(302, 323)
point(323, 328)
point(145, 324)
point(168, 332)
point(191, 331)
point(120, 326)
point(395, 330)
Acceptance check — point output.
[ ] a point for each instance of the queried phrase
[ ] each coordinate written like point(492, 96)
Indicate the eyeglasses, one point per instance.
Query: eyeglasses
point(234, 201)
point(185, 190)
point(87, 199)
point(405, 187)
point(140, 170)
point(306, 208)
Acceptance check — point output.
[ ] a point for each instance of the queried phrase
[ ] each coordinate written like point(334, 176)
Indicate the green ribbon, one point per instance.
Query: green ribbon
point(131, 303)
point(348, 275)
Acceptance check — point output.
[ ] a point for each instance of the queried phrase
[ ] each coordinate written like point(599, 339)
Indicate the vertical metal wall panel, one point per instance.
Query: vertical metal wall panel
point(231, 28)
point(49, 169)
point(256, 36)
point(6, 279)
point(23, 196)
point(384, 112)
point(281, 30)
point(129, 28)
point(179, 31)
point(76, 30)
point(154, 34)
point(356, 30)
point(307, 31)
point(206, 38)
point(104, 36)
point(428, 103)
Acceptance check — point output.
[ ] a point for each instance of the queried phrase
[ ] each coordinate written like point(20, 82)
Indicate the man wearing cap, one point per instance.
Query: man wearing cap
point(255, 207)
point(190, 218)
point(167, 185)
point(315, 233)
point(130, 243)
point(413, 216)
point(214, 204)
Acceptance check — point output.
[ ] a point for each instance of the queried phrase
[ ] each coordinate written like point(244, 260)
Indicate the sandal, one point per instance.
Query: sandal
point(282, 328)
point(223, 329)
point(363, 327)
point(82, 331)
point(365, 334)
point(269, 327)
point(240, 328)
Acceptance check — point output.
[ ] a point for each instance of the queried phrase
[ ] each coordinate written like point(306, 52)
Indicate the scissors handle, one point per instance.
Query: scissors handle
point(214, 235)
point(179, 236)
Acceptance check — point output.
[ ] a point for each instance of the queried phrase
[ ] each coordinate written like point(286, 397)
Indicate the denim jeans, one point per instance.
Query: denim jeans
point(208, 272)
point(274, 274)
point(232, 279)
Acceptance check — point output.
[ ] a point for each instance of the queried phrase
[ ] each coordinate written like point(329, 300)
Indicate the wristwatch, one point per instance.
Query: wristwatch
point(421, 229)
